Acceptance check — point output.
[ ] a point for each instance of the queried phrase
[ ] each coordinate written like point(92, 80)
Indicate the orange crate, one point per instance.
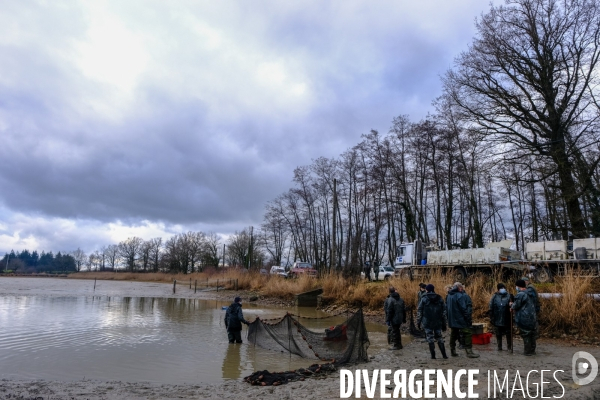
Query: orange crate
point(483, 338)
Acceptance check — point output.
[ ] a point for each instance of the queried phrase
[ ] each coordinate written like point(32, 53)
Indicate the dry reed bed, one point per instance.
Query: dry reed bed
point(574, 312)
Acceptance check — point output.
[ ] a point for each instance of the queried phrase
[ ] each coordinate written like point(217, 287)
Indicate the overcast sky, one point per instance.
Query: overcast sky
point(153, 118)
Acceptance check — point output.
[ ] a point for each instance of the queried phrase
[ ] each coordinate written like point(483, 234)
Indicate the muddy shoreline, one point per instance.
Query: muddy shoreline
point(552, 355)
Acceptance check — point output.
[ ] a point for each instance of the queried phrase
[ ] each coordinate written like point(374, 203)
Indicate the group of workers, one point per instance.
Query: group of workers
point(434, 316)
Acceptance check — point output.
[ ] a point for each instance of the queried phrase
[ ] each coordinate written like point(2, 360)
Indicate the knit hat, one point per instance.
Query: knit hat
point(430, 288)
point(237, 300)
point(501, 286)
point(521, 283)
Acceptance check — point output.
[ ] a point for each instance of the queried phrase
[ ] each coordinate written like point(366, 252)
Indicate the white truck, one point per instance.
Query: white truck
point(544, 259)
point(555, 257)
point(414, 259)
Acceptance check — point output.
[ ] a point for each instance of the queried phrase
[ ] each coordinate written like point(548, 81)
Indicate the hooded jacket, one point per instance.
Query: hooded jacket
point(525, 315)
point(534, 295)
point(431, 313)
point(499, 309)
point(395, 312)
point(234, 317)
point(460, 309)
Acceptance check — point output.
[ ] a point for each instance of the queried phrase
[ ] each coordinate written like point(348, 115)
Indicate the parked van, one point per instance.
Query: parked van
point(277, 270)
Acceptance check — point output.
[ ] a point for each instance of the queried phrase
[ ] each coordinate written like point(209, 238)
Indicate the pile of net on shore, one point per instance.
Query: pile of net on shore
point(336, 345)
point(266, 378)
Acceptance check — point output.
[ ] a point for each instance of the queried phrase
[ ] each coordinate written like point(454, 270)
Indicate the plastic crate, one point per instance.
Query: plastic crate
point(483, 338)
point(478, 329)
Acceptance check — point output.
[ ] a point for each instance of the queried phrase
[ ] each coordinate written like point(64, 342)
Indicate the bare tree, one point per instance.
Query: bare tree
point(530, 81)
point(80, 258)
point(111, 256)
point(129, 251)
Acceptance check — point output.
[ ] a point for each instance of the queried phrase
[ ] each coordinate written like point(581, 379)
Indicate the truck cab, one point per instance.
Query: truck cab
point(405, 255)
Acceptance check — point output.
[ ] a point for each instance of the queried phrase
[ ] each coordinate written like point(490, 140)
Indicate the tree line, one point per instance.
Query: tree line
point(32, 262)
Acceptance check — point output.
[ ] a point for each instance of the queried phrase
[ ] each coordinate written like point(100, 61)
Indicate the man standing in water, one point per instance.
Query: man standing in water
point(234, 318)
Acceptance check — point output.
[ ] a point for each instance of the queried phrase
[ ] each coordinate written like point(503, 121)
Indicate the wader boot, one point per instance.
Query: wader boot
point(499, 341)
point(442, 349)
point(432, 350)
point(470, 353)
point(453, 352)
point(454, 336)
point(528, 345)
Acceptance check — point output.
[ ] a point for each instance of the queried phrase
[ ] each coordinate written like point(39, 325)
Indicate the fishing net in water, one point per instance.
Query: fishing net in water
point(338, 344)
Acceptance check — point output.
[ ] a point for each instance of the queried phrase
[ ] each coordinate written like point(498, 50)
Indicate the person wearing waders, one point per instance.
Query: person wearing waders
point(431, 315)
point(536, 301)
point(395, 317)
point(499, 312)
point(460, 319)
point(386, 305)
point(234, 318)
point(525, 317)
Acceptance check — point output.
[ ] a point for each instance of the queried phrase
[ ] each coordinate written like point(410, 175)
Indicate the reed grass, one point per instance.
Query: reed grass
point(573, 312)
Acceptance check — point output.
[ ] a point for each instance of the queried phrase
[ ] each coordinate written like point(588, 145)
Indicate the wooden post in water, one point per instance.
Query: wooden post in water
point(217, 286)
point(174, 284)
point(195, 285)
point(190, 283)
point(94, 284)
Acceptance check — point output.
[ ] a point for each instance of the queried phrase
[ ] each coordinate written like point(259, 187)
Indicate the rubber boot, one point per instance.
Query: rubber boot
point(432, 350)
point(499, 340)
point(453, 352)
point(442, 349)
point(470, 353)
point(527, 347)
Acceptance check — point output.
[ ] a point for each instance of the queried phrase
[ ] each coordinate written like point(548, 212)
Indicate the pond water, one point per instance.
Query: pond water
point(70, 334)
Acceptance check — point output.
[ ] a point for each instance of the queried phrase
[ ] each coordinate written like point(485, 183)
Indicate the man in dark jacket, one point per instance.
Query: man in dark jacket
point(386, 305)
point(536, 301)
point(234, 318)
point(499, 312)
point(431, 315)
point(525, 317)
point(395, 317)
point(460, 309)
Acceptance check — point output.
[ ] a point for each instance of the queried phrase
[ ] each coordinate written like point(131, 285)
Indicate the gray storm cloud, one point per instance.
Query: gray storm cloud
point(194, 115)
